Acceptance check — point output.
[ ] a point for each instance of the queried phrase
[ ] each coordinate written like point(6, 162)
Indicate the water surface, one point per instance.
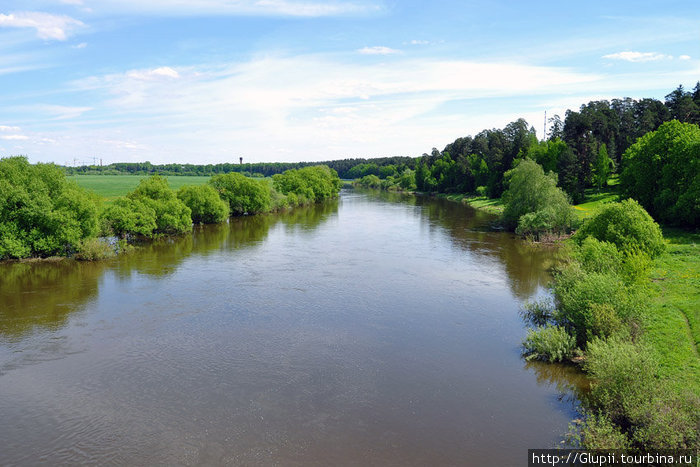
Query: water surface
point(374, 330)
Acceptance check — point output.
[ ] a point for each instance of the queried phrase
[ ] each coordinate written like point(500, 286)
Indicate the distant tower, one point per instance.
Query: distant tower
point(241, 160)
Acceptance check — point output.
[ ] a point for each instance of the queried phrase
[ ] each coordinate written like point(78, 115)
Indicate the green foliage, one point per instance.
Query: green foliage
point(551, 343)
point(127, 216)
point(204, 202)
point(598, 432)
point(244, 195)
point(662, 172)
point(535, 196)
point(315, 184)
point(370, 181)
point(628, 391)
point(93, 249)
point(151, 209)
point(624, 376)
point(172, 215)
point(626, 225)
point(602, 168)
point(538, 313)
point(42, 213)
point(595, 304)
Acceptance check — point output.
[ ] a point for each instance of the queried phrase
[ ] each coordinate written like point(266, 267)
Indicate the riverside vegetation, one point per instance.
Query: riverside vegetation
point(42, 213)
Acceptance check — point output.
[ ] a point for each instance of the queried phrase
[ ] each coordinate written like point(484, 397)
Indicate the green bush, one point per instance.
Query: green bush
point(532, 193)
point(592, 304)
point(624, 377)
point(93, 249)
point(41, 212)
point(316, 183)
point(244, 195)
point(549, 343)
point(172, 215)
point(626, 225)
point(597, 256)
point(626, 388)
point(204, 202)
point(598, 432)
point(126, 216)
point(370, 181)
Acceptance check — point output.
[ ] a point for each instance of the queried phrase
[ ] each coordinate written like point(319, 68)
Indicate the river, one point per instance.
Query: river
point(377, 329)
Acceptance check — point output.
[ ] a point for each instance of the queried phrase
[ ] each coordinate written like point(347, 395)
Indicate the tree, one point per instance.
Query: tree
point(531, 191)
point(204, 202)
point(601, 170)
point(41, 212)
point(662, 172)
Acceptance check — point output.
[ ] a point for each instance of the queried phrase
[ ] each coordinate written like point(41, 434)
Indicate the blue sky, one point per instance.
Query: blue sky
point(209, 81)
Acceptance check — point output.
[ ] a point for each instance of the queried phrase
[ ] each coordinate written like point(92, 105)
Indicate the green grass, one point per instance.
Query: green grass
point(494, 206)
point(110, 187)
point(593, 199)
point(673, 327)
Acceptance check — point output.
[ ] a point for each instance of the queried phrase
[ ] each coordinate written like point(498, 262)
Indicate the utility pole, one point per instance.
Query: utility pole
point(545, 127)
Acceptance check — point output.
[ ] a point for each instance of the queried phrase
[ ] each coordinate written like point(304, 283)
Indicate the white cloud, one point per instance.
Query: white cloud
point(638, 56)
point(48, 26)
point(82, 45)
point(14, 137)
point(154, 74)
point(419, 42)
point(684, 57)
point(377, 50)
point(9, 128)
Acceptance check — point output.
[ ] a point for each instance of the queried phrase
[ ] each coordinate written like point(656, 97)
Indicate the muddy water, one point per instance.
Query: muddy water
point(375, 330)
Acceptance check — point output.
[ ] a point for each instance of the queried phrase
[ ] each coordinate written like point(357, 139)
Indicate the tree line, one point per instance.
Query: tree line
point(345, 168)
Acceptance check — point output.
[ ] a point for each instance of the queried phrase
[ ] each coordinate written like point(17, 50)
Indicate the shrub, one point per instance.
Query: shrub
point(315, 183)
point(204, 202)
point(597, 256)
point(550, 343)
point(126, 216)
point(172, 215)
point(93, 249)
point(623, 374)
point(481, 191)
point(626, 225)
point(244, 195)
point(41, 212)
point(591, 304)
point(598, 432)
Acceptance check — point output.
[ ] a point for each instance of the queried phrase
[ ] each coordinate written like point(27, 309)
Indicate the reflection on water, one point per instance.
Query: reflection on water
point(378, 329)
point(43, 294)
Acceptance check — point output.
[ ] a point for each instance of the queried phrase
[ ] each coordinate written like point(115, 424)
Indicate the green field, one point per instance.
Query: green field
point(110, 187)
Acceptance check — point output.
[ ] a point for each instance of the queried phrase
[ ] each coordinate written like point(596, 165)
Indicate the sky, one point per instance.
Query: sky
point(209, 81)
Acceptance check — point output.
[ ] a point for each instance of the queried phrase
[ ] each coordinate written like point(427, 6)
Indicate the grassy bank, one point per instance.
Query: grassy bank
point(673, 325)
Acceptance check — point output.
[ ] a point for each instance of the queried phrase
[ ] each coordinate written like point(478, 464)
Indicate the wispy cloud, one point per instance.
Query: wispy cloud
point(14, 137)
point(684, 57)
point(300, 8)
point(638, 56)
point(377, 50)
point(47, 26)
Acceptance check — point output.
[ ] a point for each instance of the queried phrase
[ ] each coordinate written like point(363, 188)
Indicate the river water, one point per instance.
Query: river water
point(378, 329)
